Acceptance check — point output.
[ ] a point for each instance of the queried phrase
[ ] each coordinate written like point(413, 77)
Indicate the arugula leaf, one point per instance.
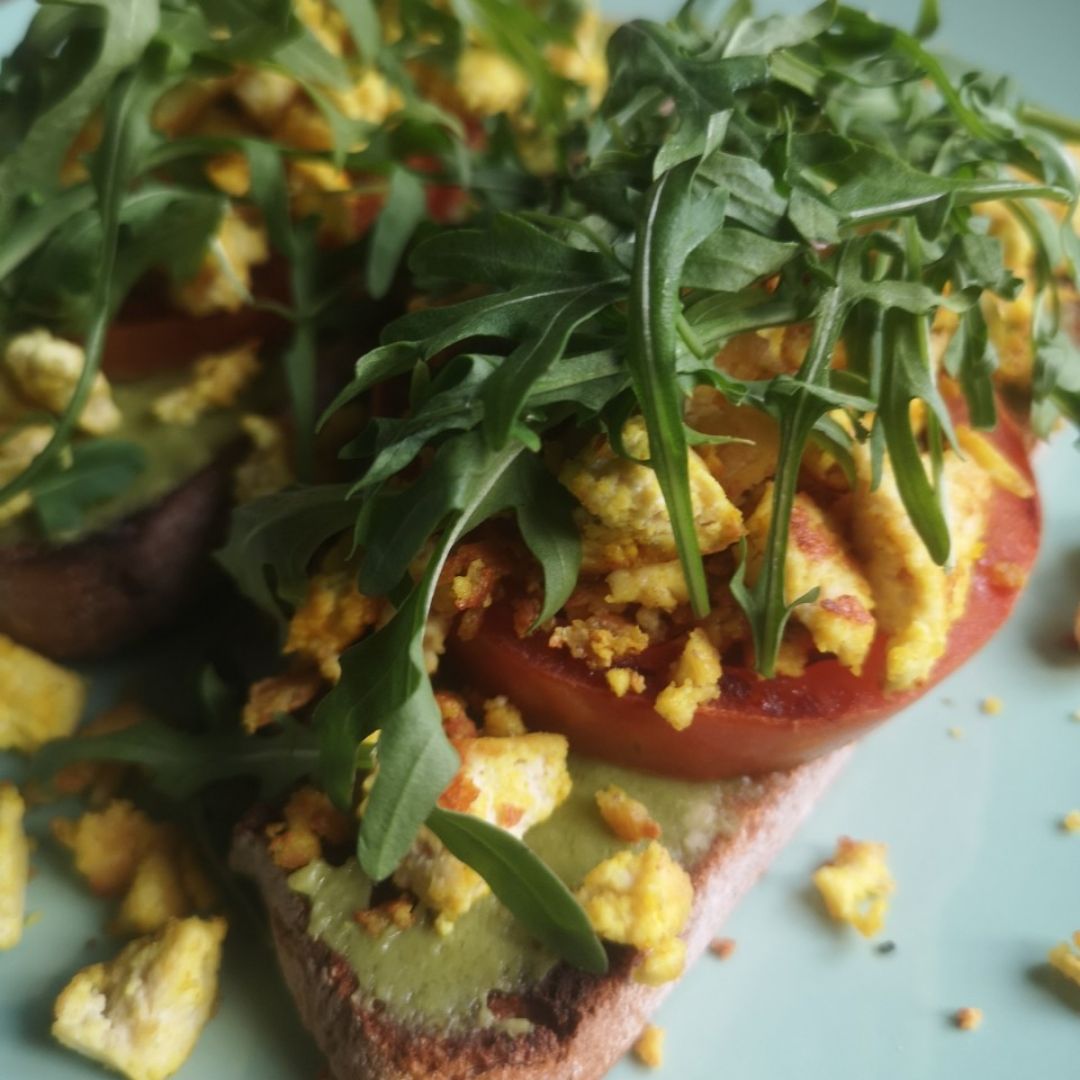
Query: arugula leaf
point(272, 541)
point(405, 208)
point(182, 765)
point(99, 469)
point(534, 895)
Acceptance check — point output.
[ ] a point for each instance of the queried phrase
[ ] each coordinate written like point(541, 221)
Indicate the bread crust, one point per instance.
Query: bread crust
point(90, 597)
point(582, 1024)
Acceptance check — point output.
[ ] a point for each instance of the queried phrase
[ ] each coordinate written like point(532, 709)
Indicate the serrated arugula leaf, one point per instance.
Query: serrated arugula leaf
point(403, 211)
point(273, 540)
point(99, 469)
point(181, 765)
point(534, 895)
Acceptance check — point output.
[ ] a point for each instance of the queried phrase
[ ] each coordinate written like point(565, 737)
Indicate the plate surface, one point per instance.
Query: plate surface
point(988, 881)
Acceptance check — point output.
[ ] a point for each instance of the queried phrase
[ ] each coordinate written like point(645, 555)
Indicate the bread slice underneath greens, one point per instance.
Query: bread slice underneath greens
point(546, 1021)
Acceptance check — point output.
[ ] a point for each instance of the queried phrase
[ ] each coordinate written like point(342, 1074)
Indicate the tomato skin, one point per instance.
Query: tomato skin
point(756, 725)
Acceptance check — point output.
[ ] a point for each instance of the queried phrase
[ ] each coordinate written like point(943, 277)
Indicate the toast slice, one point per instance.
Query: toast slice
point(579, 1024)
point(87, 598)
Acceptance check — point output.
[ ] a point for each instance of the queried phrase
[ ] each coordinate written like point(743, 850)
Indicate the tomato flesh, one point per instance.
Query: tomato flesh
point(756, 725)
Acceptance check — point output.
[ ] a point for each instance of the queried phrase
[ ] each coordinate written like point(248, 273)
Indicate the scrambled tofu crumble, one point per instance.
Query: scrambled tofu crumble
point(649, 1048)
point(14, 866)
point(856, 885)
point(513, 781)
point(142, 1013)
point(642, 898)
point(217, 381)
point(39, 700)
point(1065, 958)
point(695, 681)
point(628, 818)
point(968, 1018)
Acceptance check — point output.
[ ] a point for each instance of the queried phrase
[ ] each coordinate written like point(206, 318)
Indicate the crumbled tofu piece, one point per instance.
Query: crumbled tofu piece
point(334, 614)
point(856, 885)
point(695, 681)
point(279, 695)
point(624, 519)
point(489, 83)
point(223, 281)
point(217, 382)
point(267, 468)
point(155, 896)
point(264, 94)
point(230, 173)
point(514, 782)
point(582, 60)
point(641, 898)
point(722, 948)
point(663, 964)
point(142, 1013)
point(119, 850)
point(181, 106)
point(840, 620)
point(396, 914)
point(1008, 575)
point(628, 818)
point(502, 718)
point(649, 1048)
point(996, 465)
point(109, 844)
point(14, 866)
point(917, 601)
point(1071, 821)
point(17, 451)
point(46, 370)
point(624, 680)
point(325, 22)
point(39, 700)
point(434, 644)
point(991, 706)
point(968, 1018)
point(310, 820)
point(600, 640)
point(1062, 958)
point(654, 585)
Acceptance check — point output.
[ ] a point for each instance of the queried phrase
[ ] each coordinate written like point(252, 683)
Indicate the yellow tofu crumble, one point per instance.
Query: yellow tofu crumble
point(695, 681)
point(515, 782)
point(968, 1018)
point(642, 898)
point(856, 885)
point(39, 700)
point(1071, 821)
point(1064, 959)
point(217, 382)
point(649, 1048)
point(991, 706)
point(142, 1013)
point(628, 818)
point(14, 866)
point(17, 450)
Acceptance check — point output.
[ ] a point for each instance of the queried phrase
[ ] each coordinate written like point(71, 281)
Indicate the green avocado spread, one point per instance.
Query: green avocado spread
point(435, 982)
point(172, 454)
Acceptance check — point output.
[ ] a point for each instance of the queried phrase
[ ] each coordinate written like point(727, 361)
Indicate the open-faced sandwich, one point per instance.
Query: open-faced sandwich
point(695, 444)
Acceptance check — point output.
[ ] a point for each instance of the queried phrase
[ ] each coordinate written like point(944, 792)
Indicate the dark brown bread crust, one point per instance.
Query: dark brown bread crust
point(95, 595)
point(582, 1023)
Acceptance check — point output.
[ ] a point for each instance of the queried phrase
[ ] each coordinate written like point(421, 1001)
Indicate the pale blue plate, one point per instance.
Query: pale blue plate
point(988, 881)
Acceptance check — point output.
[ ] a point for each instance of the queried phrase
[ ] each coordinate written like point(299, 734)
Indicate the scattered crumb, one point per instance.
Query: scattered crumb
point(625, 816)
point(856, 885)
point(991, 706)
point(1071, 821)
point(968, 1018)
point(955, 732)
point(948, 701)
point(1076, 716)
point(886, 947)
point(650, 1047)
point(722, 947)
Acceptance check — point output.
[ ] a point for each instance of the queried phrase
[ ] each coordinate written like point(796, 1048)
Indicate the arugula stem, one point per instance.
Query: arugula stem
point(689, 338)
point(1064, 127)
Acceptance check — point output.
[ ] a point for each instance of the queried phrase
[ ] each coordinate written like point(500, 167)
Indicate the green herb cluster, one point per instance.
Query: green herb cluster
point(69, 255)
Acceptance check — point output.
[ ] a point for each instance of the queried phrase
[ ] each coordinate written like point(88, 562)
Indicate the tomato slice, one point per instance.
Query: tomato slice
point(756, 725)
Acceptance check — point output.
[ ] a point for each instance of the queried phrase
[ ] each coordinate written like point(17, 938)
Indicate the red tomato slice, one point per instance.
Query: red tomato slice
point(756, 725)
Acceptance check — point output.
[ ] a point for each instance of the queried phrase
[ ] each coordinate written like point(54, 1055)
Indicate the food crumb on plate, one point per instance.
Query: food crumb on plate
point(1062, 958)
point(722, 947)
point(991, 706)
point(1071, 821)
point(968, 1018)
point(649, 1048)
point(856, 884)
point(955, 732)
point(886, 947)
